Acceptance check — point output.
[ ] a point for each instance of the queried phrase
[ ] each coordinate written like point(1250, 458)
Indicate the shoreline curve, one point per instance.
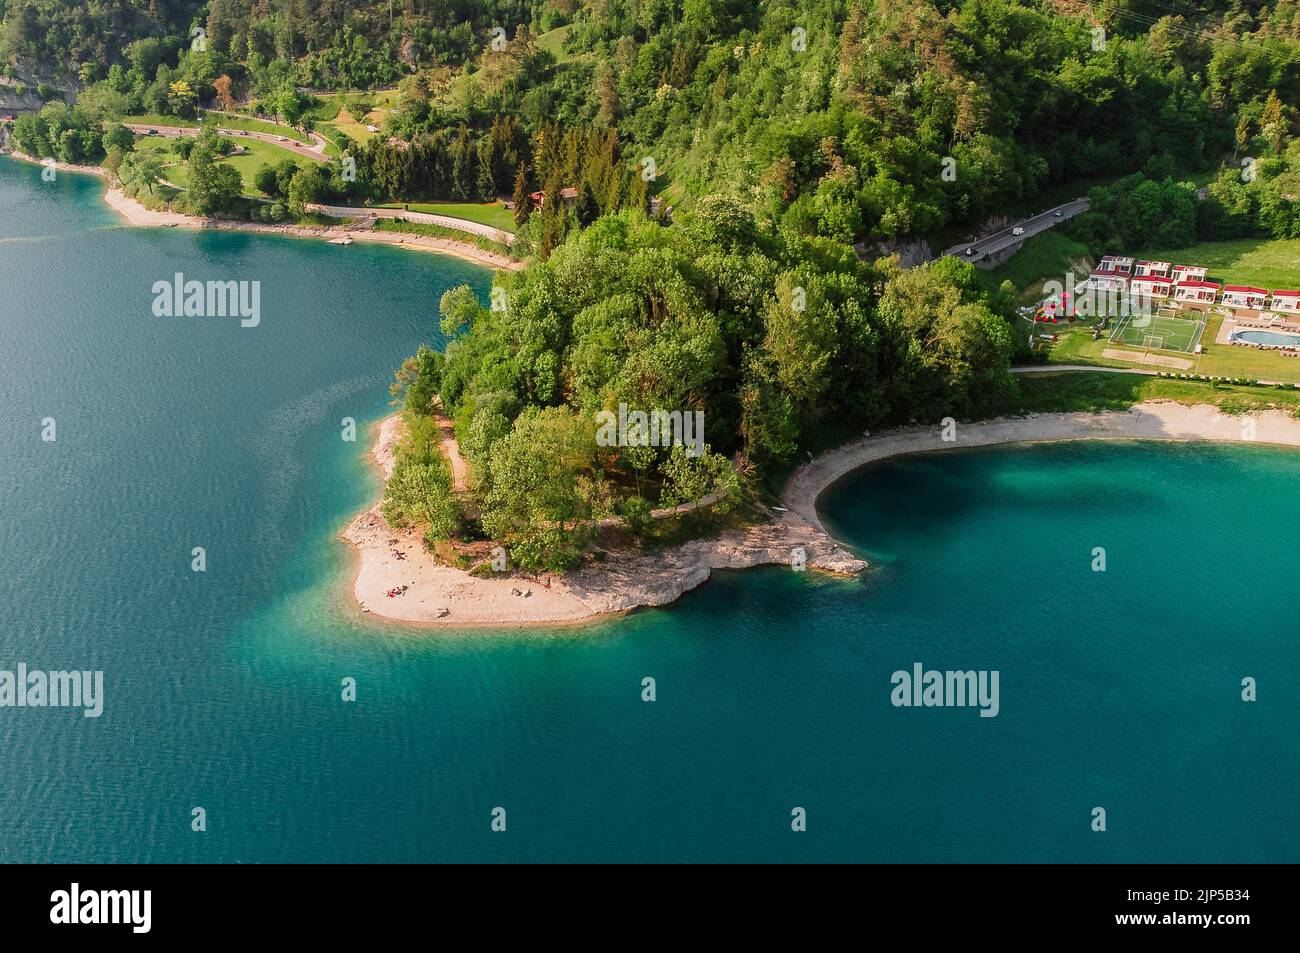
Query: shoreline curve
point(446, 599)
point(137, 216)
point(1149, 420)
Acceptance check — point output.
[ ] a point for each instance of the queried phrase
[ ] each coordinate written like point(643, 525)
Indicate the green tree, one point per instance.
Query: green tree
point(215, 187)
point(523, 204)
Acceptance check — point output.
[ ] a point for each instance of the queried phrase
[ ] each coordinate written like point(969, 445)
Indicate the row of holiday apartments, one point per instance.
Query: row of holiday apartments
point(1186, 286)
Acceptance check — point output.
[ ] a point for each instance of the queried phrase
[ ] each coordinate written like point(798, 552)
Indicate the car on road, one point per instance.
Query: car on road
point(971, 250)
point(1056, 214)
point(151, 132)
point(1017, 230)
point(283, 138)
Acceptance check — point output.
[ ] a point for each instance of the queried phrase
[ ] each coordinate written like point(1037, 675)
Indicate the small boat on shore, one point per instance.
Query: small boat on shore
point(345, 240)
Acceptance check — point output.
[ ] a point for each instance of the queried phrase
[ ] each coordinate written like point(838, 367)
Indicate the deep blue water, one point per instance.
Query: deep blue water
point(1118, 689)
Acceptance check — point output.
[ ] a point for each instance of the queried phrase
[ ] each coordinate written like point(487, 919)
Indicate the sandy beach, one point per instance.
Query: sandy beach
point(445, 598)
point(1154, 420)
point(136, 215)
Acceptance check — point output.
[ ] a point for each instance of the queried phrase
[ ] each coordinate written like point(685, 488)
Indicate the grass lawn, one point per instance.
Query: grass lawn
point(1217, 360)
point(249, 124)
point(485, 213)
point(1158, 333)
point(1268, 263)
point(1045, 256)
point(256, 154)
point(355, 129)
point(552, 41)
point(437, 231)
point(333, 113)
point(1081, 391)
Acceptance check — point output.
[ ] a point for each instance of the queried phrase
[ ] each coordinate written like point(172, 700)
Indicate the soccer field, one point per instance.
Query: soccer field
point(1158, 333)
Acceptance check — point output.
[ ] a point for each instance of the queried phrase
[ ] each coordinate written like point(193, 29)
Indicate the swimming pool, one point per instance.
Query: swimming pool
point(1267, 338)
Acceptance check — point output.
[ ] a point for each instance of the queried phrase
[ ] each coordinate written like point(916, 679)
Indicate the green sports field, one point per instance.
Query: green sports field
point(1158, 333)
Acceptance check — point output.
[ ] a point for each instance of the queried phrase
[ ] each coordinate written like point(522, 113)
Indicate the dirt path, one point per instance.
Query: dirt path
point(451, 450)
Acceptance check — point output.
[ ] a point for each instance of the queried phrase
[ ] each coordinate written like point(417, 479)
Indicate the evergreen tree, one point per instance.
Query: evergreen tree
point(523, 204)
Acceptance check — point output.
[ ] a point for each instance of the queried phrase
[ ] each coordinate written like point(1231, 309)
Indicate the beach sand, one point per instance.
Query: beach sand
point(440, 597)
point(452, 598)
point(137, 215)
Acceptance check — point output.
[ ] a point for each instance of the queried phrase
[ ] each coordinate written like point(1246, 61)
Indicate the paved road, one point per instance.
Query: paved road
point(424, 218)
point(315, 152)
point(1000, 241)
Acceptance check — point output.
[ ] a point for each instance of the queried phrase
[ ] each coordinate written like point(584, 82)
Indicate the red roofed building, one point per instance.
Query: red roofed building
point(1245, 296)
point(1101, 280)
point(1188, 273)
point(1151, 286)
point(1153, 269)
point(1287, 302)
point(569, 196)
point(1200, 294)
point(1114, 265)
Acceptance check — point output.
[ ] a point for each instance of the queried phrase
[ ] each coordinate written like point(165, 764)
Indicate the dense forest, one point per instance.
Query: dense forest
point(773, 337)
point(870, 121)
point(796, 143)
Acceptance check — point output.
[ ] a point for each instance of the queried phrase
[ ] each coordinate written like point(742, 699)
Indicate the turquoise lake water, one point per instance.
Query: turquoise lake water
point(1118, 689)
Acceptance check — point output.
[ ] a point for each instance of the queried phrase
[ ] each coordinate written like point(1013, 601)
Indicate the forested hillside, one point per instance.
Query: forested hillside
point(873, 120)
point(793, 142)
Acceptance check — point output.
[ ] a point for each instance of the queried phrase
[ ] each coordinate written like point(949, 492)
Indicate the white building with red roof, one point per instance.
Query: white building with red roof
point(1286, 302)
point(1196, 293)
point(1111, 274)
point(1151, 286)
point(1188, 273)
point(1152, 269)
point(1114, 264)
point(1245, 296)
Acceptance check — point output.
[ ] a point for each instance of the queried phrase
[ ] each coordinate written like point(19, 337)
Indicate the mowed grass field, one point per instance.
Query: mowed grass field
point(250, 124)
point(1150, 330)
point(256, 155)
point(1267, 263)
point(1047, 256)
point(1076, 346)
point(1065, 392)
point(494, 214)
point(333, 113)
